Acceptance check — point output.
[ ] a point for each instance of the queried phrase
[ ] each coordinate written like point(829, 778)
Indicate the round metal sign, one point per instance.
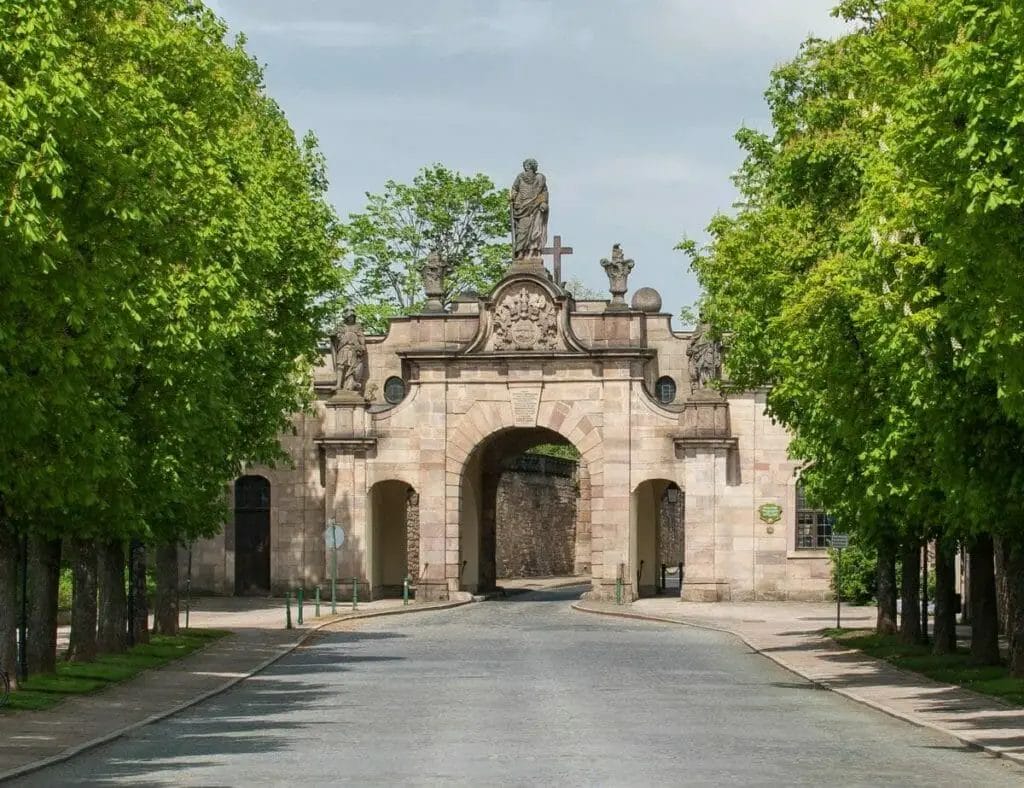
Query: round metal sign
point(334, 536)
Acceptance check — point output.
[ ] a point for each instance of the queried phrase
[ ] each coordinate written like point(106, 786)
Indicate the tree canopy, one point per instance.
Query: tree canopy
point(167, 252)
point(465, 219)
point(870, 275)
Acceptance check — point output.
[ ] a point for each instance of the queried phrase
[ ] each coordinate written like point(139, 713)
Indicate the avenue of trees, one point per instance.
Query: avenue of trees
point(872, 277)
point(166, 255)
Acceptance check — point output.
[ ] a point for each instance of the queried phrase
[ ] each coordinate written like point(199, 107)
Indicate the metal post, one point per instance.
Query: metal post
point(188, 587)
point(355, 592)
point(23, 635)
point(664, 578)
point(405, 590)
point(839, 585)
point(318, 602)
point(334, 573)
point(618, 586)
point(287, 611)
point(299, 603)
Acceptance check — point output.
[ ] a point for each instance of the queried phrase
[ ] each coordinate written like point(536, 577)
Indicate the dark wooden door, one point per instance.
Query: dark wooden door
point(252, 535)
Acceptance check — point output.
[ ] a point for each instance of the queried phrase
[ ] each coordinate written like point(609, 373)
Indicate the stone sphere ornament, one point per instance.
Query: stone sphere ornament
point(648, 300)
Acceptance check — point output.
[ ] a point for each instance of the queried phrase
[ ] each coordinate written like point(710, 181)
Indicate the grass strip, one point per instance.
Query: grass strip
point(76, 678)
point(953, 668)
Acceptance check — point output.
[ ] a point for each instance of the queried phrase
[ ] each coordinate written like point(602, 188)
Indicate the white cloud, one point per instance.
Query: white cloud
point(448, 28)
point(734, 25)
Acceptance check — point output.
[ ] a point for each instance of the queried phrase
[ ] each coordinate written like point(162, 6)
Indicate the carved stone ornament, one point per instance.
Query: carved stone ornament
point(618, 269)
point(433, 272)
point(525, 319)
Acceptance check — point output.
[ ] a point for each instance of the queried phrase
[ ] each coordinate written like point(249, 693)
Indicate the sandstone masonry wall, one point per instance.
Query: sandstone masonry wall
point(536, 525)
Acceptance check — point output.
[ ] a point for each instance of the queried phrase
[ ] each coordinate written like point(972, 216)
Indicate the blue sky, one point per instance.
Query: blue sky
point(630, 106)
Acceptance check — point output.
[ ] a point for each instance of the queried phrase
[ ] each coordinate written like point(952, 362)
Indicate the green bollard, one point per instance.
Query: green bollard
point(287, 611)
point(298, 603)
point(355, 593)
point(405, 590)
point(318, 601)
point(618, 590)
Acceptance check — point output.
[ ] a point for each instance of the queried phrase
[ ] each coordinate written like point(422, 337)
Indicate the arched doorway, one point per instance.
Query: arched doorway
point(656, 538)
point(392, 552)
point(252, 535)
point(521, 514)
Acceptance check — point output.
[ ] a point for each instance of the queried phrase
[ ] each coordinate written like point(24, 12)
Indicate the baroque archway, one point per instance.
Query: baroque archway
point(503, 535)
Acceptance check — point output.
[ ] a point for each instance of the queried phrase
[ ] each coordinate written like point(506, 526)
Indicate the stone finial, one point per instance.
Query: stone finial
point(618, 269)
point(648, 300)
point(433, 272)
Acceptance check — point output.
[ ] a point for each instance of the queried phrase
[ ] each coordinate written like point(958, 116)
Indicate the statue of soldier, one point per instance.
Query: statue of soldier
point(348, 345)
point(529, 200)
point(705, 357)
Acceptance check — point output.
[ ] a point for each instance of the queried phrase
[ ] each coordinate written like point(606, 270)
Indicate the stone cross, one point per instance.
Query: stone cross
point(556, 253)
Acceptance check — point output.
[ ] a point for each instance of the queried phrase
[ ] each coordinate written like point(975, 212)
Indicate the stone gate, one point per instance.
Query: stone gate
point(405, 445)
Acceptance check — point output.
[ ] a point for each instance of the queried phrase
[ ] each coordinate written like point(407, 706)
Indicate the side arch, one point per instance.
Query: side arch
point(655, 533)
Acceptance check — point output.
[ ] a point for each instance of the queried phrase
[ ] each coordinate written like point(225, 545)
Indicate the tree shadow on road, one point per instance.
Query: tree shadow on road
point(263, 714)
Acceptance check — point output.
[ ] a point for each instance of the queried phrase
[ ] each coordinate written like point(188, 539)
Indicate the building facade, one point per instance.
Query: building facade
point(411, 432)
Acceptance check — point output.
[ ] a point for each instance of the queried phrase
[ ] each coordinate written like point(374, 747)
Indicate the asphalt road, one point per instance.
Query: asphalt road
point(527, 692)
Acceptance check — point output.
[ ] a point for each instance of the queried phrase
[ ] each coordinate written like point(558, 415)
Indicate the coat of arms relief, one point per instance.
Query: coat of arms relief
point(525, 319)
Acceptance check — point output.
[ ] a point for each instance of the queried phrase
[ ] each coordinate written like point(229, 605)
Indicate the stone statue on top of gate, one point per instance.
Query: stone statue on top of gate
point(348, 347)
point(704, 354)
point(528, 198)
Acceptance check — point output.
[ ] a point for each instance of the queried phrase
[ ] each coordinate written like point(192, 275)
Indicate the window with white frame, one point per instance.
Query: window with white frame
point(813, 526)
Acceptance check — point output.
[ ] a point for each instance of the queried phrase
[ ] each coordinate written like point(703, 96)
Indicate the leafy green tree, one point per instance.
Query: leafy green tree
point(869, 277)
point(465, 219)
point(167, 248)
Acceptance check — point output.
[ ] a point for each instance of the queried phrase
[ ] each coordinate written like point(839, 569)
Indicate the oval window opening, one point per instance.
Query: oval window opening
point(665, 390)
point(394, 390)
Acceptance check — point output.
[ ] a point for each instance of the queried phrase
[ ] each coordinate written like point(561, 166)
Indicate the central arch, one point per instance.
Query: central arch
point(480, 515)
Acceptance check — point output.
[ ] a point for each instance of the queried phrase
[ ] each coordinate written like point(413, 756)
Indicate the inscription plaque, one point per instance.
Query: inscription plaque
point(525, 404)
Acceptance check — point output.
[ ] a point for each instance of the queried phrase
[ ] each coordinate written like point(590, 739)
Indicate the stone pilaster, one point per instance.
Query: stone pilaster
point(347, 437)
point(705, 443)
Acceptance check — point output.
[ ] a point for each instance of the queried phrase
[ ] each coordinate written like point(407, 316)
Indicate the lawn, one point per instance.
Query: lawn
point(951, 668)
point(76, 678)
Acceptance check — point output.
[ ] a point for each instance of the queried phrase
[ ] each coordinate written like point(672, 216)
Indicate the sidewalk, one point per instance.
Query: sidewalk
point(32, 739)
point(787, 632)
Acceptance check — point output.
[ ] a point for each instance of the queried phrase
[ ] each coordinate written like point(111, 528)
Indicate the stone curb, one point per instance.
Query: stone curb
point(286, 649)
point(965, 738)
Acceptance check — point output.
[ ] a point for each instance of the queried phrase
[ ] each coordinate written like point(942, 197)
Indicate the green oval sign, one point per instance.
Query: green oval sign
point(770, 512)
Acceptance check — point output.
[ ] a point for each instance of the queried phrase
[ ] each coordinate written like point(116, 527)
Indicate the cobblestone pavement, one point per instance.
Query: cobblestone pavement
point(526, 691)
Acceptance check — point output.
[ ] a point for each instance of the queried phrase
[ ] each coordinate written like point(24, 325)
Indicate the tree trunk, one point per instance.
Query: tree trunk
point(1001, 552)
point(82, 647)
point(945, 597)
point(1014, 570)
point(886, 591)
point(9, 551)
point(984, 616)
point(44, 582)
point(910, 593)
point(165, 606)
point(140, 610)
point(113, 603)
